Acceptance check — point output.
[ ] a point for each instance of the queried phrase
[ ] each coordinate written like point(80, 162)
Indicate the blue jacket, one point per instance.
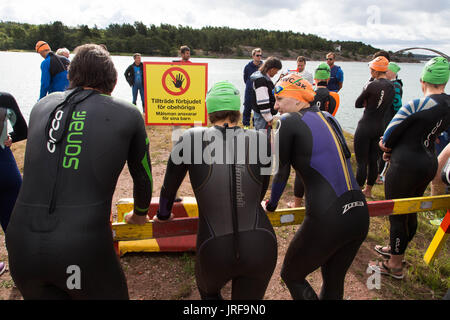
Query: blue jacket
point(53, 75)
point(249, 69)
point(336, 76)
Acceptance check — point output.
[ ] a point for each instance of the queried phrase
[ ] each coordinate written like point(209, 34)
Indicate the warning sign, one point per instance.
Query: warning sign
point(175, 93)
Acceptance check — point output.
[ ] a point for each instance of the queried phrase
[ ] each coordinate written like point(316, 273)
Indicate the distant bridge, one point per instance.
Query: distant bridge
point(419, 48)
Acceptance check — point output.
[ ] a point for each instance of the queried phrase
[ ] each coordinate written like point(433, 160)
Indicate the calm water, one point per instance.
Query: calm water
point(21, 77)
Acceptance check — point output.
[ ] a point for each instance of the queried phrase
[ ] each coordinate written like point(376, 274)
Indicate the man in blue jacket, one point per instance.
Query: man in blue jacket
point(54, 71)
point(337, 75)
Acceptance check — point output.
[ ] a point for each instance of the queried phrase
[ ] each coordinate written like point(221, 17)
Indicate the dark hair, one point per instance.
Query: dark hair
point(301, 58)
point(271, 62)
point(234, 116)
point(183, 49)
point(92, 67)
point(382, 53)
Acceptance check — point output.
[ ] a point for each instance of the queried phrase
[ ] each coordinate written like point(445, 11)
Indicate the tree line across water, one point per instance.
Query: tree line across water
point(165, 39)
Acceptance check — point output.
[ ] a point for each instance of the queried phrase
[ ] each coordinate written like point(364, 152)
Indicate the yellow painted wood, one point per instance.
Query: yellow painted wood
point(148, 245)
point(435, 246)
point(125, 231)
point(281, 217)
point(190, 205)
point(286, 217)
point(411, 205)
point(124, 206)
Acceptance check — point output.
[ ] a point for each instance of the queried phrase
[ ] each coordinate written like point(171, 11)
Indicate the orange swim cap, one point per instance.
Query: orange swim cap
point(294, 86)
point(42, 46)
point(379, 64)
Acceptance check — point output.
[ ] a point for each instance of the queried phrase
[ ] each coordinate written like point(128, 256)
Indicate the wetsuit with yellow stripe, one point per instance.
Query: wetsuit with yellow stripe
point(337, 218)
point(78, 143)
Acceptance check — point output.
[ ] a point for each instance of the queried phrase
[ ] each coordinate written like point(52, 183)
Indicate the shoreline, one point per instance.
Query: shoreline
point(291, 56)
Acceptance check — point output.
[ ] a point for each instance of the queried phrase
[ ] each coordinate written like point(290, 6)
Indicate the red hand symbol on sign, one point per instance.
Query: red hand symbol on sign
point(176, 77)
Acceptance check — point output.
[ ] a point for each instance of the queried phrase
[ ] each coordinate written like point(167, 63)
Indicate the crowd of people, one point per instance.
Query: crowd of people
point(80, 137)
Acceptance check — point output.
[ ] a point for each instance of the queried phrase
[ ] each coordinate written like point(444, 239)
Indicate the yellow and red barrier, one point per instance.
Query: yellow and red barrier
point(159, 237)
point(438, 239)
point(180, 233)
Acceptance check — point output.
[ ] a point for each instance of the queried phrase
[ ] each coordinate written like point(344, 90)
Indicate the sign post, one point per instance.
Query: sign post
point(175, 93)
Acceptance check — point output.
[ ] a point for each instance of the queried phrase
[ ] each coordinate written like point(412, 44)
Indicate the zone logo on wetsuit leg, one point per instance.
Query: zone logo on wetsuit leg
point(352, 205)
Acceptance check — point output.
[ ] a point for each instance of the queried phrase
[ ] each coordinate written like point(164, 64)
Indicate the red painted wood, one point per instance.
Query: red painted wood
point(178, 244)
point(380, 208)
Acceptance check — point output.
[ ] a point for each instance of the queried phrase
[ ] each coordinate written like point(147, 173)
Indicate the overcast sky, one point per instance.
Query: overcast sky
point(390, 25)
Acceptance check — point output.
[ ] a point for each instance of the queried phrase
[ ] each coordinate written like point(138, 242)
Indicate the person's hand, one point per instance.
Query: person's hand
point(155, 218)
point(383, 147)
point(264, 205)
point(386, 156)
point(132, 218)
point(8, 142)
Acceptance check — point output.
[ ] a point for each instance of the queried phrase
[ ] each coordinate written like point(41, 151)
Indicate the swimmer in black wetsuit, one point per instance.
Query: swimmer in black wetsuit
point(375, 99)
point(235, 239)
point(408, 143)
point(337, 218)
point(10, 178)
point(324, 102)
point(78, 143)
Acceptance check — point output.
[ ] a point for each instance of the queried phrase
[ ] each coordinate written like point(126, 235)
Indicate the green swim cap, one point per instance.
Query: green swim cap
point(322, 72)
point(223, 96)
point(436, 71)
point(394, 67)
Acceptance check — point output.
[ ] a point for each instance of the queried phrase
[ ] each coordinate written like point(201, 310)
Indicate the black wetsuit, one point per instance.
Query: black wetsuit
point(10, 178)
point(375, 98)
point(235, 239)
point(78, 143)
point(337, 218)
point(413, 164)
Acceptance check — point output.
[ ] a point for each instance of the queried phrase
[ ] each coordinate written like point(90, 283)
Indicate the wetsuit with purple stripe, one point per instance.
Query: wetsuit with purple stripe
point(337, 218)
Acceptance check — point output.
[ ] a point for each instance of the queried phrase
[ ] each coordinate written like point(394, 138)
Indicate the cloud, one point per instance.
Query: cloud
point(381, 23)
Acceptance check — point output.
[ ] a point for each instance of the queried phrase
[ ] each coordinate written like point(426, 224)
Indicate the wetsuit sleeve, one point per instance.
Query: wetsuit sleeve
point(364, 96)
point(283, 146)
point(278, 185)
point(140, 170)
point(403, 119)
point(397, 104)
point(263, 98)
point(20, 129)
point(175, 173)
point(45, 78)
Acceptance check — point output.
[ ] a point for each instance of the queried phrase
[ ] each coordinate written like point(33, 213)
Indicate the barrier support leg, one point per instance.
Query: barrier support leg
point(438, 240)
